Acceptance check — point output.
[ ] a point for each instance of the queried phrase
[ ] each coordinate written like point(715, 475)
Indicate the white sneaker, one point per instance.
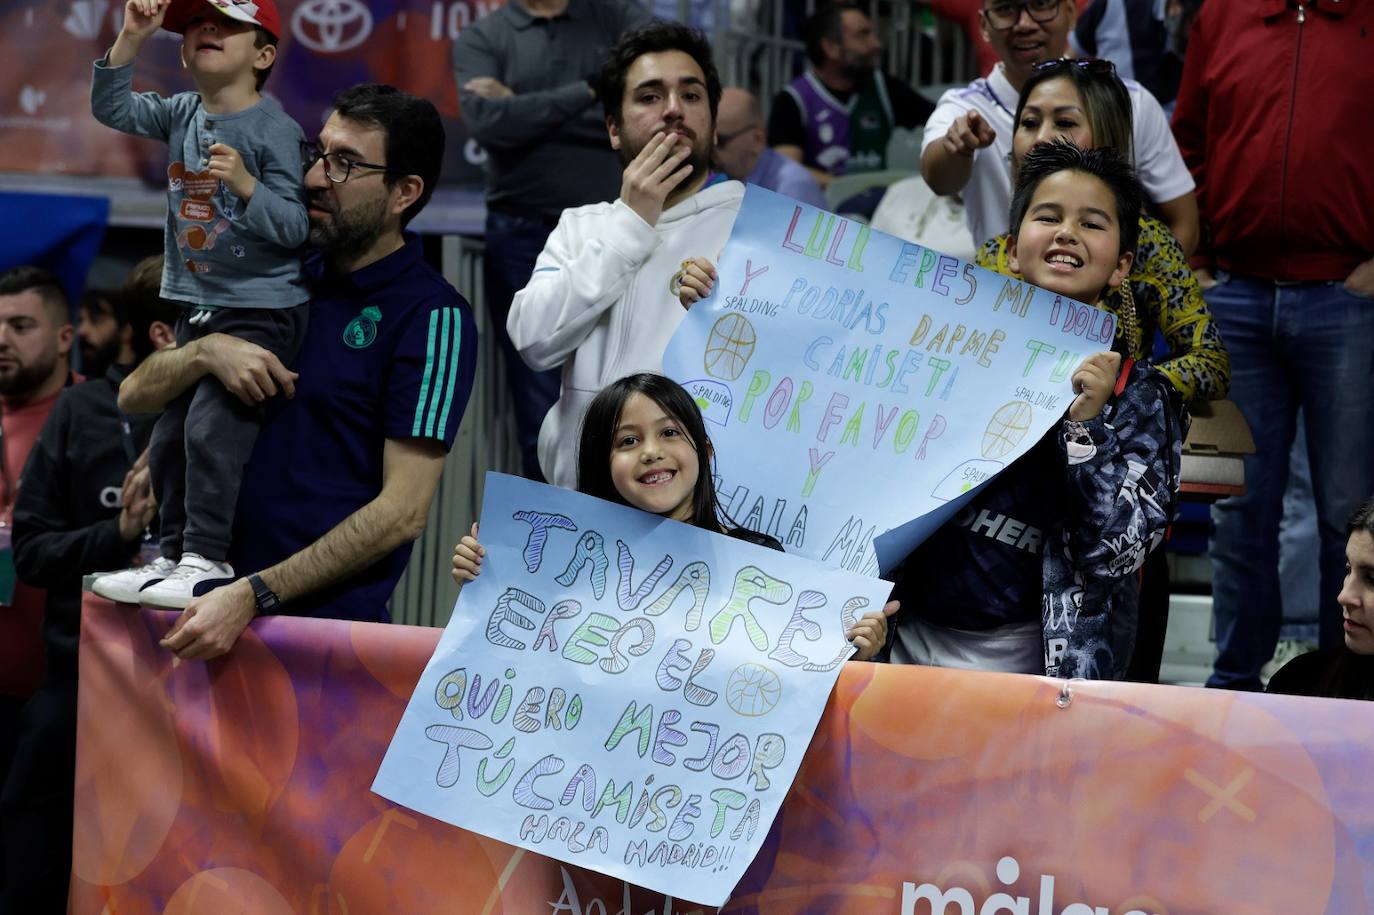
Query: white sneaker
point(125, 587)
point(194, 575)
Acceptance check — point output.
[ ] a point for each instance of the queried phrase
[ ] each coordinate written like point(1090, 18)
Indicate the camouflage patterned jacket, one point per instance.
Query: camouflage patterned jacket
point(1121, 487)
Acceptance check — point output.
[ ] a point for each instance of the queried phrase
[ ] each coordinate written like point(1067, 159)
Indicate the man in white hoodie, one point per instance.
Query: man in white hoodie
point(603, 299)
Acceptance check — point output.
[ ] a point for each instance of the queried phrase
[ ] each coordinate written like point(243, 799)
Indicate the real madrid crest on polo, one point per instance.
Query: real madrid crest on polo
point(362, 330)
point(389, 357)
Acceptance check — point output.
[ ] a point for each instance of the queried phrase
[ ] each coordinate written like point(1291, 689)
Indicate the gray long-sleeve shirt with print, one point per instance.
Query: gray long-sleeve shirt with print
point(219, 250)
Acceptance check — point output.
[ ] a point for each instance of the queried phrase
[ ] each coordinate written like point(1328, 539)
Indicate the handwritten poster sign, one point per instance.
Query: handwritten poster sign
point(855, 382)
point(623, 692)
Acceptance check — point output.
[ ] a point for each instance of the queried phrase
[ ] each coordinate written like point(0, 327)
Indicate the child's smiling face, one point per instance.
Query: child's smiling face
point(1070, 240)
point(654, 465)
point(215, 44)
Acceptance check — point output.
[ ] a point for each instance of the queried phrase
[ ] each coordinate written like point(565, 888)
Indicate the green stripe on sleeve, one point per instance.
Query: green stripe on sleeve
point(433, 414)
point(452, 374)
point(429, 374)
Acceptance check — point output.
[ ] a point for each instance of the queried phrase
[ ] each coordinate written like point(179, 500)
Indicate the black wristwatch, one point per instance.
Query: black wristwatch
point(264, 597)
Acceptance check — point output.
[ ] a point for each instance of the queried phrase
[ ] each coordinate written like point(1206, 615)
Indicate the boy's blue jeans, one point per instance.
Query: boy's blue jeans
point(1308, 345)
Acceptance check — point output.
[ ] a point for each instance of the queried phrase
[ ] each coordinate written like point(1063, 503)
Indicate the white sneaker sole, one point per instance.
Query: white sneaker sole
point(118, 594)
point(163, 601)
point(152, 597)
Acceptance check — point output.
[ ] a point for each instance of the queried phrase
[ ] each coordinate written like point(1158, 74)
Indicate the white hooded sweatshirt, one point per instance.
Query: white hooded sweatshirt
point(601, 303)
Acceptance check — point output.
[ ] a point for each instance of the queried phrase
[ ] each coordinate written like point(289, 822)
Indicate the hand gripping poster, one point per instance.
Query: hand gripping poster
point(856, 385)
point(623, 692)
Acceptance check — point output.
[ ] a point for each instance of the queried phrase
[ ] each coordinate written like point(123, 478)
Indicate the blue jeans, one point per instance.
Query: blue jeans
point(1298, 543)
point(513, 245)
point(1307, 346)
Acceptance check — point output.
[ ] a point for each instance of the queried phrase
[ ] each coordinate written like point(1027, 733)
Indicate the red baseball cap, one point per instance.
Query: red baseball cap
point(258, 12)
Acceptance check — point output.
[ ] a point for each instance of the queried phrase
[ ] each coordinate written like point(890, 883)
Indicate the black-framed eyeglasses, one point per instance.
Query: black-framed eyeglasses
point(1093, 65)
point(1002, 15)
point(338, 168)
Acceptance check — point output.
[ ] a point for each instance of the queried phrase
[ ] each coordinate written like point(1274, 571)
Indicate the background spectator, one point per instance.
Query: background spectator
point(837, 117)
point(35, 345)
point(526, 84)
point(1091, 106)
point(969, 15)
point(742, 151)
point(603, 300)
point(1279, 144)
point(102, 331)
point(1346, 672)
point(968, 138)
point(82, 508)
point(1134, 35)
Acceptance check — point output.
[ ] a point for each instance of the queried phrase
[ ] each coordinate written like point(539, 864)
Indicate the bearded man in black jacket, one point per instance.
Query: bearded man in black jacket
point(84, 504)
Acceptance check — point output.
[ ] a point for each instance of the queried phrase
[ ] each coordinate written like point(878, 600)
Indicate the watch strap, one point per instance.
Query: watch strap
point(264, 597)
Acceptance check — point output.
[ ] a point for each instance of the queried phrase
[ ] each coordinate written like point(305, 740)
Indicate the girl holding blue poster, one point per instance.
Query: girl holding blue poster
point(644, 444)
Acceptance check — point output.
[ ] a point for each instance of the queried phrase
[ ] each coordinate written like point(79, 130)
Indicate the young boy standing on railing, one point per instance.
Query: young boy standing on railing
point(1027, 578)
point(235, 217)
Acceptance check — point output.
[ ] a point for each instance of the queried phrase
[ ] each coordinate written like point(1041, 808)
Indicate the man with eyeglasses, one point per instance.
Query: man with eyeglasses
point(343, 473)
point(967, 144)
point(968, 14)
point(742, 151)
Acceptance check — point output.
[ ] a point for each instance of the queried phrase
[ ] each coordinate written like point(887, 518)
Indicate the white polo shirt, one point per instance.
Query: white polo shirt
point(987, 197)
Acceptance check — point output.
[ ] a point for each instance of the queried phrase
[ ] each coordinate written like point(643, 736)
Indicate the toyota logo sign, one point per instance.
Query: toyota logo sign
point(331, 26)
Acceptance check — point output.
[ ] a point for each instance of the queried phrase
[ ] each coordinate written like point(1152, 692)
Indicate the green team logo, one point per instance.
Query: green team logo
point(362, 330)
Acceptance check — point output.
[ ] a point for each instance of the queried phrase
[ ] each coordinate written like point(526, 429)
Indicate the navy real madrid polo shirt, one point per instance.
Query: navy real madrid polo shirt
point(389, 353)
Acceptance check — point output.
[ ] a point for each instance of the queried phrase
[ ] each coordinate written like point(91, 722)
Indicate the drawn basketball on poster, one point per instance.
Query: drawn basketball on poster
point(753, 690)
point(729, 346)
point(1009, 424)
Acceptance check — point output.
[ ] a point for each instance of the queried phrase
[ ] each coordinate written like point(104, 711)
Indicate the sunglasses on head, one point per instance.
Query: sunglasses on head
point(1093, 65)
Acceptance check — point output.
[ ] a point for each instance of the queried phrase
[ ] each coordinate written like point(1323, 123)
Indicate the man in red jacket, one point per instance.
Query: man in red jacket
point(1275, 119)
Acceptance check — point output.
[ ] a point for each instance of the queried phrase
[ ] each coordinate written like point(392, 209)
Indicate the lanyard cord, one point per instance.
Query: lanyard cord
point(988, 90)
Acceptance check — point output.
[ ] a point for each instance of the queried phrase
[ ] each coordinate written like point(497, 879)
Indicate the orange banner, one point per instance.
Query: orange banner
point(242, 786)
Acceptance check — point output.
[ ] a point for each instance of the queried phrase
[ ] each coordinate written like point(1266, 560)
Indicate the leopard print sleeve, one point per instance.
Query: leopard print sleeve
point(1168, 296)
point(993, 255)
